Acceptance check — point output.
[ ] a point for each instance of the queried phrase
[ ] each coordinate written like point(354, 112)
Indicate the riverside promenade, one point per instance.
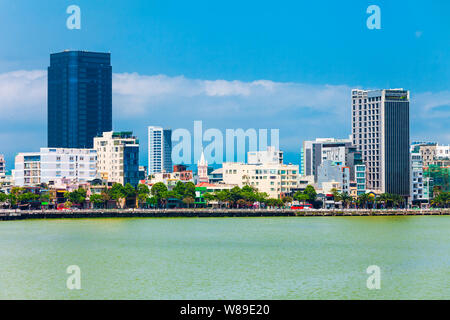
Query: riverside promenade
point(205, 213)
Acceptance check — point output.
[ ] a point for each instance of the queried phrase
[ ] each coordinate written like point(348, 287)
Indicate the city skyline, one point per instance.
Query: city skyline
point(225, 157)
point(275, 76)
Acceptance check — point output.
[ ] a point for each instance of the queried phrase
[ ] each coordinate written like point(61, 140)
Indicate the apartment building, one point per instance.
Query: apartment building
point(159, 150)
point(52, 164)
point(417, 188)
point(266, 175)
point(118, 157)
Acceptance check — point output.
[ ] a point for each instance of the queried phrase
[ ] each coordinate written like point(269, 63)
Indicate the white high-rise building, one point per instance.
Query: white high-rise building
point(159, 150)
point(52, 164)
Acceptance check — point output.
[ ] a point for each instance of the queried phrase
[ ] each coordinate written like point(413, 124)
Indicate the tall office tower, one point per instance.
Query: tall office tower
point(380, 130)
point(79, 98)
point(159, 150)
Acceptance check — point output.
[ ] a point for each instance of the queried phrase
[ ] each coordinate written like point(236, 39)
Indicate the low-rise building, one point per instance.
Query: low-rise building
point(170, 179)
point(274, 178)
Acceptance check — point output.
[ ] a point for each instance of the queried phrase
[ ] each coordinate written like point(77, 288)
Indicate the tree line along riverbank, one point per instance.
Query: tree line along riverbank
point(199, 213)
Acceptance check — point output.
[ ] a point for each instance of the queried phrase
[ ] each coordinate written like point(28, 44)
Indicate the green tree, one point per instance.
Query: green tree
point(272, 202)
point(261, 197)
point(362, 200)
point(159, 191)
point(77, 196)
point(118, 194)
point(301, 197)
point(97, 200)
point(189, 190)
point(336, 195)
point(383, 198)
point(188, 201)
point(152, 201)
point(311, 193)
point(223, 196)
point(287, 199)
point(234, 195)
point(209, 197)
point(130, 191)
point(143, 193)
point(180, 188)
point(346, 199)
point(442, 199)
point(44, 197)
point(27, 197)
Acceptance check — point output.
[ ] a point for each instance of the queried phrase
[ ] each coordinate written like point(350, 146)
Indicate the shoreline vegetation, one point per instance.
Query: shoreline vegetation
point(6, 215)
point(188, 195)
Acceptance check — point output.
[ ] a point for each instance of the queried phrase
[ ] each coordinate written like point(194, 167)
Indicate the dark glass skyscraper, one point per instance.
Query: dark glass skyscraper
point(79, 98)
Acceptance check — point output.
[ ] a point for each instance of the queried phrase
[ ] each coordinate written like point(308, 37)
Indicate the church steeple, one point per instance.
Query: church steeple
point(202, 161)
point(202, 169)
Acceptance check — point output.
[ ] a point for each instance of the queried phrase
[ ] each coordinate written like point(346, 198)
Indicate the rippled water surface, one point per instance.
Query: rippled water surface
point(226, 258)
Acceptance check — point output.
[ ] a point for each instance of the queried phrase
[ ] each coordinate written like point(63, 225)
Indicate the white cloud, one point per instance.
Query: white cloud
point(432, 104)
point(144, 94)
point(21, 92)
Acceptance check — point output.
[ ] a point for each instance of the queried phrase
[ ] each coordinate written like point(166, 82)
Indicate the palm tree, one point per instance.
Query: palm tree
point(346, 199)
point(362, 200)
point(383, 198)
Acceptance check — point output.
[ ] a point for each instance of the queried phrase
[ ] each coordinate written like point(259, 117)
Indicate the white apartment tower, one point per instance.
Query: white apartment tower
point(159, 150)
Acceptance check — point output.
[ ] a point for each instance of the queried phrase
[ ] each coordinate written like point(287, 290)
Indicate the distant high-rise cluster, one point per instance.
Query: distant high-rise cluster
point(82, 146)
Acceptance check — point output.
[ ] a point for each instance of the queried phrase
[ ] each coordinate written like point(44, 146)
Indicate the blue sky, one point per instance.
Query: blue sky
point(309, 53)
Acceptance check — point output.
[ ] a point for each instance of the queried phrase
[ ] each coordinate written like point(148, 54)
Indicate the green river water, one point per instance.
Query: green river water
point(226, 258)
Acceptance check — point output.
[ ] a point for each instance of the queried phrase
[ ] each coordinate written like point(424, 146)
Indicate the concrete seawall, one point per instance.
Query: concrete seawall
point(162, 213)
